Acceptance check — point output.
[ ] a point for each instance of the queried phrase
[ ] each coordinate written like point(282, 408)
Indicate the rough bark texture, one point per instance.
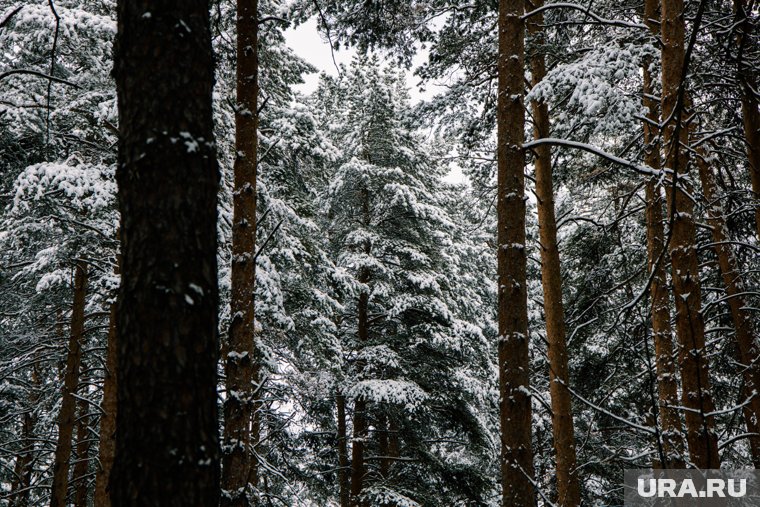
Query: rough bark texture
point(167, 448)
point(697, 396)
point(343, 467)
point(240, 470)
point(66, 418)
point(749, 355)
point(750, 104)
point(568, 484)
point(107, 444)
point(79, 478)
point(514, 394)
point(672, 442)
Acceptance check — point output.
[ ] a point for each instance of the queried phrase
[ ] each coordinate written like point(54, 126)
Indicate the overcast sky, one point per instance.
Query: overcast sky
point(307, 43)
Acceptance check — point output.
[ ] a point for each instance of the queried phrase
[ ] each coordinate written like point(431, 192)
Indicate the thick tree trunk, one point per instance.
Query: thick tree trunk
point(672, 439)
point(514, 403)
point(568, 484)
point(83, 456)
point(343, 467)
point(750, 105)
point(360, 406)
point(240, 470)
point(697, 396)
point(749, 355)
point(167, 448)
point(66, 417)
point(107, 444)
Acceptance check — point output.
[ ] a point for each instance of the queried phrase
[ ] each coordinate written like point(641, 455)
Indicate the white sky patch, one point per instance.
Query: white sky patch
point(313, 47)
point(308, 43)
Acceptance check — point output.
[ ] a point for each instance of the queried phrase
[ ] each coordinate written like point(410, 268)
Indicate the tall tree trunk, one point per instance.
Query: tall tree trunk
point(514, 395)
point(66, 417)
point(750, 104)
point(394, 439)
point(672, 440)
point(343, 469)
point(749, 355)
point(167, 444)
point(107, 444)
point(568, 484)
point(83, 456)
point(240, 470)
point(697, 396)
point(22, 470)
point(22, 473)
point(383, 444)
point(360, 406)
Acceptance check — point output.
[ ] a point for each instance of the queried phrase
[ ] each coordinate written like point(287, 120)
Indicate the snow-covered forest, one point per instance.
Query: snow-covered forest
point(216, 289)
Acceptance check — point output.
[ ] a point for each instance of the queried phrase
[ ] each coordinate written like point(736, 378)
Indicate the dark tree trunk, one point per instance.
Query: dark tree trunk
point(515, 404)
point(67, 416)
point(343, 467)
point(360, 409)
point(240, 470)
point(22, 470)
point(672, 440)
point(690, 328)
point(167, 447)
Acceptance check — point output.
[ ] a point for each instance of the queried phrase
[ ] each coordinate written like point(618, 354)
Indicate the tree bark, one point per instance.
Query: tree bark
point(750, 105)
point(383, 444)
point(83, 456)
point(66, 417)
point(360, 407)
point(240, 470)
point(343, 467)
point(514, 403)
point(672, 440)
point(568, 484)
point(22, 470)
point(697, 396)
point(167, 448)
point(749, 355)
point(107, 444)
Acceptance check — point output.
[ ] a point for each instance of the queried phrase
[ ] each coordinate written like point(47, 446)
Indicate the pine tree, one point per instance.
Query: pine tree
point(167, 308)
point(515, 404)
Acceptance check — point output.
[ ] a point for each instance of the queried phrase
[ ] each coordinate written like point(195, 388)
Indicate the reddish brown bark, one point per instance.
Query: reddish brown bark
point(82, 463)
point(66, 417)
point(568, 483)
point(241, 417)
point(744, 336)
point(516, 456)
point(672, 439)
point(107, 444)
point(746, 75)
point(693, 363)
